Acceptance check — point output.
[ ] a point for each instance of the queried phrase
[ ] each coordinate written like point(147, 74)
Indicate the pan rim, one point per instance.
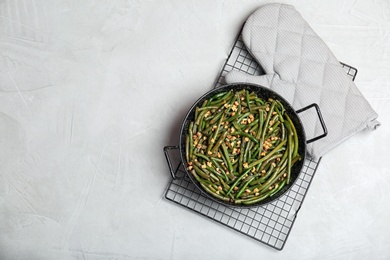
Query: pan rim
point(239, 86)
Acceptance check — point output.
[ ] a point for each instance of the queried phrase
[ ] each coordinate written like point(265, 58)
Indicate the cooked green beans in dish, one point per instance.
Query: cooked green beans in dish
point(241, 148)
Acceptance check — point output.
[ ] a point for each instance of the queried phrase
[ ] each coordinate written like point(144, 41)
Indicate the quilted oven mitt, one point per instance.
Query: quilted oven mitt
point(300, 67)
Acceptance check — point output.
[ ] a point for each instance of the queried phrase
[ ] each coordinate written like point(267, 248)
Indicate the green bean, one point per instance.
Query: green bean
point(200, 172)
point(187, 148)
point(290, 154)
point(202, 156)
point(241, 157)
point(269, 169)
point(245, 185)
point(295, 135)
point(191, 144)
point(291, 147)
point(255, 122)
point(208, 128)
point(218, 166)
point(247, 100)
point(260, 130)
point(280, 186)
point(281, 106)
point(254, 151)
point(265, 126)
point(199, 179)
point(217, 96)
point(213, 177)
point(207, 188)
point(208, 108)
point(215, 118)
point(219, 142)
point(253, 129)
point(234, 162)
point(197, 111)
point(283, 132)
point(226, 154)
point(237, 126)
point(224, 185)
point(251, 137)
point(253, 200)
point(223, 98)
point(258, 100)
point(202, 125)
point(214, 137)
point(233, 118)
point(279, 114)
point(275, 176)
point(268, 155)
point(200, 108)
point(238, 180)
point(246, 151)
point(269, 114)
point(242, 117)
point(200, 117)
point(245, 196)
point(211, 169)
point(273, 169)
point(274, 127)
point(218, 160)
point(224, 163)
point(270, 160)
point(230, 104)
point(220, 105)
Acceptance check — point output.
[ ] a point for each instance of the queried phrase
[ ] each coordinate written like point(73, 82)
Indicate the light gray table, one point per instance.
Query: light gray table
point(91, 91)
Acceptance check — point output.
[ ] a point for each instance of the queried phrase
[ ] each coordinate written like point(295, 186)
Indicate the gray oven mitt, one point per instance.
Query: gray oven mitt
point(300, 67)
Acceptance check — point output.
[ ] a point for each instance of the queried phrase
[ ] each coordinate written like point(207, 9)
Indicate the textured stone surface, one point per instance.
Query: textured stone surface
point(91, 91)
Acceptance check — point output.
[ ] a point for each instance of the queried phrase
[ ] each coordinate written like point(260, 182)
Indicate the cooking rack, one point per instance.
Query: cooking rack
point(269, 224)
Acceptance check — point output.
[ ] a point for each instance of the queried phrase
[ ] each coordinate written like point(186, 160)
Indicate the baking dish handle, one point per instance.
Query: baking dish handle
point(169, 161)
point(321, 121)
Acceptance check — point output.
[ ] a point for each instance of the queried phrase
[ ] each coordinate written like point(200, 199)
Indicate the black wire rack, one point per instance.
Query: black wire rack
point(269, 224)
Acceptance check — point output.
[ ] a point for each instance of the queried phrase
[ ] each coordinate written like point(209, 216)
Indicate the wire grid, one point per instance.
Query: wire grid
point(269, 224)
